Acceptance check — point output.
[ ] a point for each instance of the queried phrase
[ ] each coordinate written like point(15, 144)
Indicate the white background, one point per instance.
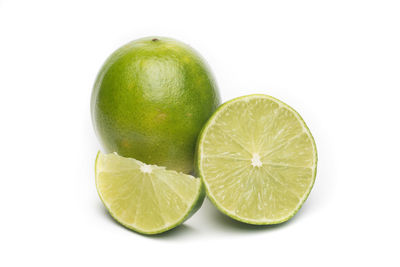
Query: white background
point(336, 62)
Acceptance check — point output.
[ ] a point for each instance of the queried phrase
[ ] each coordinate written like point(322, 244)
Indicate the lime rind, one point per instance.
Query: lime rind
point(196, 203)
point(199, 154)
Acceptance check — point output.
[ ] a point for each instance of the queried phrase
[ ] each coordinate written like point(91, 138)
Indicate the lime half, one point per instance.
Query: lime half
point(257, 159)
point(146, 198)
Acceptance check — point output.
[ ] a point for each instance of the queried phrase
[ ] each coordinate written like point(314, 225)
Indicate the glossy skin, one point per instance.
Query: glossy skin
point(150, 101)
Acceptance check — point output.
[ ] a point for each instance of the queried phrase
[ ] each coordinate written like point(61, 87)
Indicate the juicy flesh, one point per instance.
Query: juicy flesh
point(145, 197)
point(258, 160)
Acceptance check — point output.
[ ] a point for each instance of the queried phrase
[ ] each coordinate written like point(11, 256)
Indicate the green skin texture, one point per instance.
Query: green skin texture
point(150, 100)
point(198, 168)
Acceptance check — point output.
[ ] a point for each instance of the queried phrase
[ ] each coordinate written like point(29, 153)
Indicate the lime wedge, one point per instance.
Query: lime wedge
point(146, 198)
point(257, 159)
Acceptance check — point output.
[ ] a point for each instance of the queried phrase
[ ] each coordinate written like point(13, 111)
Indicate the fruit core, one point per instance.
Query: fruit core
point(256, 161)
point(145, 168)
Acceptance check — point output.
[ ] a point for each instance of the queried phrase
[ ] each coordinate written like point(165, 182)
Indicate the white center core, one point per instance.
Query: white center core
point(255, 161)
point(145, 168)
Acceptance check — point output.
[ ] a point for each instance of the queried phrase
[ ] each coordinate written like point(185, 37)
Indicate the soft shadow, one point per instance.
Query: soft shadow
point(178, 232)
point(224, 222)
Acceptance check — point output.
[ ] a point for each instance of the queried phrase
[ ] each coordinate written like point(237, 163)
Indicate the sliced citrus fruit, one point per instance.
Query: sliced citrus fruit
point(146, 198)
point(257, 159)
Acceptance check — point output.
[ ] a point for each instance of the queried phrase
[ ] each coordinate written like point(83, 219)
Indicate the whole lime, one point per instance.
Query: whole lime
point(150, 100)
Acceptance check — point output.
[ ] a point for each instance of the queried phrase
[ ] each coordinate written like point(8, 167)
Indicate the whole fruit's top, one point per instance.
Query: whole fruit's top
point(150, 101)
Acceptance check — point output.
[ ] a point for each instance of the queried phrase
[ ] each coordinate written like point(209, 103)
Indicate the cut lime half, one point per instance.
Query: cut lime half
point(146, 198)
point(257, 159)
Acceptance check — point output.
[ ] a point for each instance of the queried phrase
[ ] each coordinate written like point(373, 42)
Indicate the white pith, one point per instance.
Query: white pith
point(256, 161)
point(146, 168)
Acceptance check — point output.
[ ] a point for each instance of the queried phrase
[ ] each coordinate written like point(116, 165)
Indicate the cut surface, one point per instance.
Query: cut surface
point(257, 159)
point(146, 198)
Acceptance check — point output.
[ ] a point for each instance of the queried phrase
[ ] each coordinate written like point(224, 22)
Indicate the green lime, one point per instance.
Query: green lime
point(257, 159)
point(146, 198)
point(150, 100)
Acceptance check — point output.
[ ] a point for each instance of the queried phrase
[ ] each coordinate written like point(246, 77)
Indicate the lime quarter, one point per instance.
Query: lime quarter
point(146, 198)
